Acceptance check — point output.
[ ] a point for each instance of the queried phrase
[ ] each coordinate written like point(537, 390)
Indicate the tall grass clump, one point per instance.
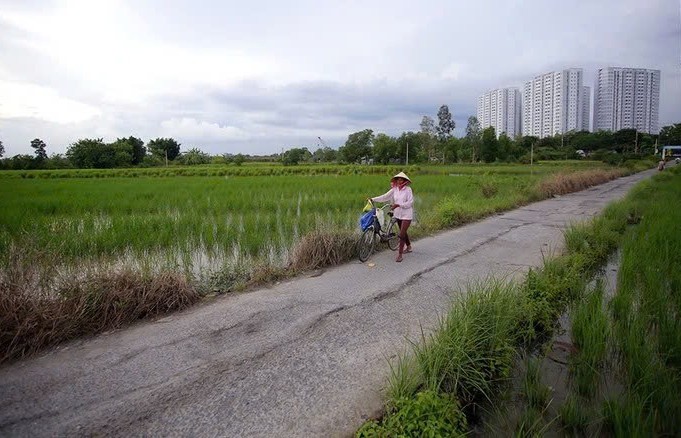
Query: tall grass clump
point(464, 359)
point(87, 302)
point(574, 415)
point(323, 248)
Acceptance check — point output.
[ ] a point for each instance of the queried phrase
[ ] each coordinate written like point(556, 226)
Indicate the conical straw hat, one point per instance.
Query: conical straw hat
point(401, 175)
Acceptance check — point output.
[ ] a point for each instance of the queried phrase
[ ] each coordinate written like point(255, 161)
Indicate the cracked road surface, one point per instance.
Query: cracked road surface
point(307, 357)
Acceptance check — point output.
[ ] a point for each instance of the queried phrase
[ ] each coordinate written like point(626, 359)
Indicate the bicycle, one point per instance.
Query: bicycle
point(376, 232)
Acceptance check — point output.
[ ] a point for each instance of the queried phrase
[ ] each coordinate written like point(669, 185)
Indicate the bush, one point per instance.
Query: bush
point(450, 212)
point(427, 414)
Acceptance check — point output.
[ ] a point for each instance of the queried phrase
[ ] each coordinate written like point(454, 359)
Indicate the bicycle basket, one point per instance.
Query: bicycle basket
point(366, 220)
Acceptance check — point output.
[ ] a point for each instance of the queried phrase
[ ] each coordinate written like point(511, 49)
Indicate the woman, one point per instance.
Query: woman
point(402, 199)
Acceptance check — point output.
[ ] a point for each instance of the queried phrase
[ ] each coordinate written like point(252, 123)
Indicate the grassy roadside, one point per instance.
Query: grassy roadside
point(43, 307)
point(634, 336)
point(468, 360)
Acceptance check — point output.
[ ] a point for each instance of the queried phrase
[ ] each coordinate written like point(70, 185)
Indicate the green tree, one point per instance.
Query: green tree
point(450, 149)
point(58, 161)
point(194, 156)
point(2, 149)
point(505, 147)
point(670, 135)
point(122, 154)
point(21, 162)
point(385, 149)
point(473, 137)
point(325, 155)
point(164, 148)
point(445, 124)
point(133, 146)
point(429, 132)
point(490, 146)
point(238, 159)
point(412, 141)
point(624, 140)
point(296, 155)
point(357, 146)
point(40, 149)
point(92, 154)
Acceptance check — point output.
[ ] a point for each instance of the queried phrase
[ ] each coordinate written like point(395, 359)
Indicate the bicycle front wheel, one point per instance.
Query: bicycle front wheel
point(365, 245)
point(393, 235)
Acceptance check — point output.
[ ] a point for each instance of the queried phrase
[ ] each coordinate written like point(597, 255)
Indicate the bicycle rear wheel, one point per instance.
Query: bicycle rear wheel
point(365, 245)
point(393, 235)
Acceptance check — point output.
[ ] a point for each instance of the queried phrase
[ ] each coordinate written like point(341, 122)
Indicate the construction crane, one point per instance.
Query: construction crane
point(322, 143)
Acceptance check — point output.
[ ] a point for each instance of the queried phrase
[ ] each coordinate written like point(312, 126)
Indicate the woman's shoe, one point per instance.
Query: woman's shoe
point(407, 250)
point(399, 258)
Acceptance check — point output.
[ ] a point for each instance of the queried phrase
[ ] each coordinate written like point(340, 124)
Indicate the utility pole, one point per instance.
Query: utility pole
point(166, 157)
point(407, 153)
point(636, 143)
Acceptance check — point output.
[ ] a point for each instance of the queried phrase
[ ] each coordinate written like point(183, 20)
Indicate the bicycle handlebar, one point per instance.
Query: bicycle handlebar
point(385, 206)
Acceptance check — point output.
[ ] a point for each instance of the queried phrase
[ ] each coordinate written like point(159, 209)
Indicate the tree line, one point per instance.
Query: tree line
point(432, 143)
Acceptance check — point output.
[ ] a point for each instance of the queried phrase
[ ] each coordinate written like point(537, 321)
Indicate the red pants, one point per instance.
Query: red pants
point(404, 237)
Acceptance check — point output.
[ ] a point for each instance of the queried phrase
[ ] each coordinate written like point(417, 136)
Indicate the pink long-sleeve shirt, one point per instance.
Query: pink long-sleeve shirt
point(403, 197)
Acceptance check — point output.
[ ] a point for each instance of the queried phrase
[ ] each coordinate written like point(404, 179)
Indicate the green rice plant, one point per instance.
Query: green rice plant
point(574, 415)
point(628, 416)
point(531, 424)
point(590, 333)
point(646, 313)
point(535, 392)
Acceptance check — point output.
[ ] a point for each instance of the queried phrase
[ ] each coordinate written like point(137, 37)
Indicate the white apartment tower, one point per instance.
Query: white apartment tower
point(556, 102)
point(586, 109)
point(500, 109)
point(627, 98)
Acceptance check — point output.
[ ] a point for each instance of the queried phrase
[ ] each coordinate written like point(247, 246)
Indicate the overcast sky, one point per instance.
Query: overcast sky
point(261, 75)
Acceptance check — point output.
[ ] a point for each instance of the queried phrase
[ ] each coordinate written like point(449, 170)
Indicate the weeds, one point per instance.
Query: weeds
point(428, 413)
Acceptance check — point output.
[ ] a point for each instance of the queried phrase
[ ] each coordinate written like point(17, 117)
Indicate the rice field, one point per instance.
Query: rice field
point(204, 220)
point(196, 219)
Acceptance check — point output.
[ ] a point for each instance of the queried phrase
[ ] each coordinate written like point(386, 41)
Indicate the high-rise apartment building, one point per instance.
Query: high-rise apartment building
point(586, 109)
point(500, 109)
point(556, 102)
point(627, 98)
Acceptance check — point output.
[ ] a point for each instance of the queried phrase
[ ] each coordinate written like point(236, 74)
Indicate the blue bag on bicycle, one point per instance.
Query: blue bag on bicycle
point(366, 219)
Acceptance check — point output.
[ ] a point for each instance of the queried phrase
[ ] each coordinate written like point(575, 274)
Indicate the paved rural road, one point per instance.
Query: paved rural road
point(307, 357)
